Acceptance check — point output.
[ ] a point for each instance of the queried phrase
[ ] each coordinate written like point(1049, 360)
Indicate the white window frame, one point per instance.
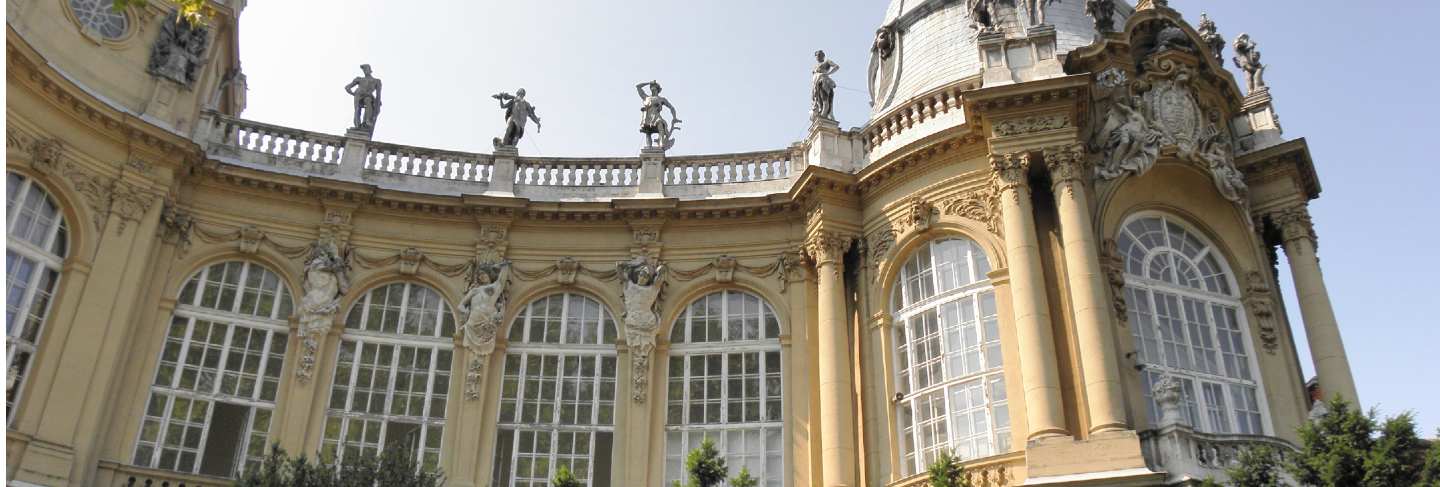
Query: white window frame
point(1197, 407)
point(520, 350)
point(42, 259)
point(765, 348)
point(990, 377)
point(187, 314)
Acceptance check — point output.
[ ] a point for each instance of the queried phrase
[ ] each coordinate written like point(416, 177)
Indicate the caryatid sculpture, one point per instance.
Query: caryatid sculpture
point(822, 90)
point(652, 124)
point(1247, 58)
point(366, 90)
point(482, 309)
point(641, 280)
point(1103, 13)
point(326, 280)
point(517, 113)
point(1036, 10)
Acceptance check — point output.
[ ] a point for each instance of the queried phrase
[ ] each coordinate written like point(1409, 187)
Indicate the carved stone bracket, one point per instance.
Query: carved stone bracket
point(1114, 266)
point(176, 225)
point(1260, 300)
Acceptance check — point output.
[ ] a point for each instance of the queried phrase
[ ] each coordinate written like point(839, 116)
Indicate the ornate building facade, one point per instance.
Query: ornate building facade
point(1051, 250)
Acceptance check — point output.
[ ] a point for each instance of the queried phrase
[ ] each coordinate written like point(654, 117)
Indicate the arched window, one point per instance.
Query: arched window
point(951, 383)
point(213, 396)
point(557, 401)
point(725, 384)
point(35, 244)
point(1188, 322)
point(392, 377)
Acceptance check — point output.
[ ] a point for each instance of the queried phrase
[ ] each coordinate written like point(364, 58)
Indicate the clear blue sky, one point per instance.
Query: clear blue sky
point(1348, 76)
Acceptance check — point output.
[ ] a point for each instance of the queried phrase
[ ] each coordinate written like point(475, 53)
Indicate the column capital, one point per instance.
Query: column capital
point(1294, 224)
point(1067, 165)
point(828, 247)
point(1011, 171)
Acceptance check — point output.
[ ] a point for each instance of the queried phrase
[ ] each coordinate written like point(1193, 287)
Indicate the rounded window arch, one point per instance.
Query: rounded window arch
point(1188, 321)
point(392, 375)
point(213, 394)
point(35, 246)
point(951, 381)
point(99, 18)
point(725, 384)
point(557, 395)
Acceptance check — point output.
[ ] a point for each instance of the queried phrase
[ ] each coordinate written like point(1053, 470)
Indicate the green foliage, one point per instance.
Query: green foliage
point(564, 478)
point(744, 479)
point(1430, 473)
point(1258, 466)
point(395, 467)
point(706, 466)
point(1333, 447)
point(1397, 456)
point(1210, 482)
point(946, 471)
point(195, 11)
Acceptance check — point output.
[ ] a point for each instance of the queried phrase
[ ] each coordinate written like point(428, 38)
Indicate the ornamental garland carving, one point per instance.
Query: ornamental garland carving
point(1033, 124)
point(1260, 301)
point(642, 281)
point(723, 268)
point(565, 270)
point(979, 205)
point(482, 308)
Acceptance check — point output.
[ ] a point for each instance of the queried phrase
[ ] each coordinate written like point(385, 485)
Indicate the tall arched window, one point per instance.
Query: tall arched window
point(557, 401)
point(1188, 322)
point(213, 396)
point(392, 377)
point(725, 384)
point(35, 244)
point(951, 383)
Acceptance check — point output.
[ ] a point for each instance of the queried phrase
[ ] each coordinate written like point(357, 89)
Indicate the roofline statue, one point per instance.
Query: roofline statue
point(1247, 58)
point(366, 91)
point(822, 88)
point(517, 113)
point(652, 121)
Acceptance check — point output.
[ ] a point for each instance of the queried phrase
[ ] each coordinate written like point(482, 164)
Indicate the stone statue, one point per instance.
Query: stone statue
point(1131, 144)
point(1247, 58)
point(641, 292)
point(366, 90)
point(1036, 10)
point(652, 124)
point(1103, 12)
point(1172, 37)
point(482, 310)
point(179, 50)
point(982, 15)
point(326, 280)
point(822, 90)
point(1211, 36)
point(517, 113)
point(1167, 394)
point(884, 42)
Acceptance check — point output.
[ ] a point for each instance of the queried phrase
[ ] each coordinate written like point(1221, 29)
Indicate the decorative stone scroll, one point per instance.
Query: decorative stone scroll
point(980, 205)
point(1261, 302)
point(482, 307)
point(642, 281)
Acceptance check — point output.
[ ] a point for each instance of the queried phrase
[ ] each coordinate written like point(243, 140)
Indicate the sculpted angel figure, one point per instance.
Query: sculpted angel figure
point(641, 291)
point(822, 89)
point(1247, 58)
point(326, 280)
point(652, 123)
point(1132, 143)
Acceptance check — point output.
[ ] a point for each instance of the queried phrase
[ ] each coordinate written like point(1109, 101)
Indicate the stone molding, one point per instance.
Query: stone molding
point(1031, 125)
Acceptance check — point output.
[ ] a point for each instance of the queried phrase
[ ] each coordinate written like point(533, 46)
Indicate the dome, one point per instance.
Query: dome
point(923, 45)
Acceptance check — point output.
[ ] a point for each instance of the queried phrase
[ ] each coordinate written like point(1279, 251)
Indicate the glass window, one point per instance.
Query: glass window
point(725, 384)
point(214, 391)
point(557, 395)
point(392, 376)
point(950, 369)
point(1187, 322)
point(35, 246)
point(99, 17)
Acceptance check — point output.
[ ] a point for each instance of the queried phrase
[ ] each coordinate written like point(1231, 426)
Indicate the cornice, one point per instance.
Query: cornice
point(1063, 90)
point(878, 177)
point(1278, 161)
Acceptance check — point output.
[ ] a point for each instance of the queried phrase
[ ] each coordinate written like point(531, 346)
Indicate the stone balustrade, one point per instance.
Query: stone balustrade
point(995, 471)
point(430, 163)
point(734, 168)
point(277, 141)
point(920, 117)
point(112, 474)
point(1188, 455)
point(553, 171)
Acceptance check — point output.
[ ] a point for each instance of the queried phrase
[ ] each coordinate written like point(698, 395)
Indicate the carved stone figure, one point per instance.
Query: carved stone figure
point(482, 309)
point(884, 42)
point(1172, 38)
point(1247, 58)
point(822, 89)
point(1211, 36)
point(1132, 142)
point(641, 281)
point(982, 15)
point(179, 50)
point(366, 90)
point(517, 113)
point(1103, 12)
point(1035, 9)
point(652, 123)
point(1167, 394)
point(326, 280)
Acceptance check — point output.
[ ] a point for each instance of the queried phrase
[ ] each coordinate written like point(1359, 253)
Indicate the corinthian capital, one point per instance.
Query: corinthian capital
point(1066, 164)
point(1294, 224)
point(828, 248)
point(1011, 171)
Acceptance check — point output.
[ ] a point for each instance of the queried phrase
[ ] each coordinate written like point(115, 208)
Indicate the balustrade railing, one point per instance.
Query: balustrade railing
point(430, 163)
point(1183, 453)
point(916, 111)
point(733, 168)
point(278, 141)
point(577, 172)
point(996, 471)
point(111, 474)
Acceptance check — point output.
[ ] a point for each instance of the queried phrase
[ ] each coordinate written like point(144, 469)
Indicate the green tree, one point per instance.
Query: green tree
point(946, 471)
point(1333, 448)
point(564, 478)
point(395, 467)
point(744, 479)
point(706, 466)
point(1397, 456)
point(1257, 466)
point(1430, 473)
point(195, 11)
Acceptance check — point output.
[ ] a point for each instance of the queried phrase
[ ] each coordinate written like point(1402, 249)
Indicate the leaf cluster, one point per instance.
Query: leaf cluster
point(395, 467)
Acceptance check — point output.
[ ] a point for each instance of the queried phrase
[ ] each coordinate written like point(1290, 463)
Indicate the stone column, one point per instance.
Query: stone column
point(1327, 350)
point(837, 414)
point(1041, 378)
point(1092, 309)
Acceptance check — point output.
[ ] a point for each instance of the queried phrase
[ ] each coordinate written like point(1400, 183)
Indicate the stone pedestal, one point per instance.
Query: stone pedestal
point(829, 147)
point(502, 175)
point(1258, 126)
point(652, 167)
point(352, 158)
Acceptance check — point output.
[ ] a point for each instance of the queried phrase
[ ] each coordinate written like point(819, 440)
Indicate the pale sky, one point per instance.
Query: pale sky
point(1352, 80)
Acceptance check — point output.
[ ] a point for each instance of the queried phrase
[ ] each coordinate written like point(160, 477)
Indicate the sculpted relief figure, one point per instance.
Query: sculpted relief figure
point(1103, 13)
point(982, 15)
point(179, 50)
point(822, 89)
point(641, 281)
point(1211, 35)
point(1131, 141)
point(1247, 58)
point(1036, 10)
point(482, 310)
point(326, 280)
point(652, 123)
point(517, 113)
point(366, 91)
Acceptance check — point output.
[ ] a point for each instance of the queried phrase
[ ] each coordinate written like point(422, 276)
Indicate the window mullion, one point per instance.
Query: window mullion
point(19, 206)
point(390, 389)
point(264, 362)
point(240, 289)
point(564, 323)
point(224, 354)
point(425, 408)
point(404, 310)
point(204, 434)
